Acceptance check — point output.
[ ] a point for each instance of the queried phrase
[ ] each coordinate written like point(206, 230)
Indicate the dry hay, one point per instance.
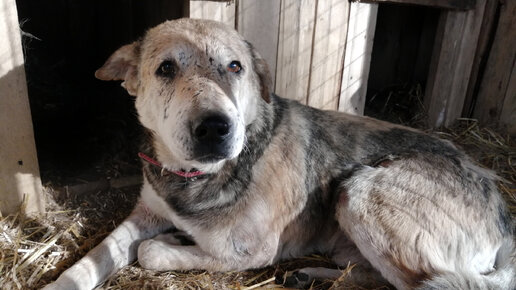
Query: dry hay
point(35, 250)
point(491, 149)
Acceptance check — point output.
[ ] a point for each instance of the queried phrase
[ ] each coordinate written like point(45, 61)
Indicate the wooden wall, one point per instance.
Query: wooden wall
point(304, 42)
point(319, 52)
point(357, 59)
point(495, 89)
point(19, 172)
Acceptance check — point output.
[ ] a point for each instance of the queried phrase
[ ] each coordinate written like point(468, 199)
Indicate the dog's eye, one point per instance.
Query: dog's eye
point(166, 69)
point(235, 66)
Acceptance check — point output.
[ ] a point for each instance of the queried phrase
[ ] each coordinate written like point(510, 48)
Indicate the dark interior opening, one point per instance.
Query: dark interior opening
point(402, 50)
point(83, 126)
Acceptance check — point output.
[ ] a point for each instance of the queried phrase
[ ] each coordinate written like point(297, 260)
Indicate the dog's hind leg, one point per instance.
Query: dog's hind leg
point(304, 277)
point(369, 210)
point(423, 217)
point(354, 275)
point(115, 251)
point(353, 270)
point(356, 269)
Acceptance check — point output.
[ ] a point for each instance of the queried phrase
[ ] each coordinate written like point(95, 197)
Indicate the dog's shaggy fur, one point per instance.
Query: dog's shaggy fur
point(282, 180)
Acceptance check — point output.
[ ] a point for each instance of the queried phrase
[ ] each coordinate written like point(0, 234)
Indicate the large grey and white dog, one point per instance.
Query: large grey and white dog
point(253, 179)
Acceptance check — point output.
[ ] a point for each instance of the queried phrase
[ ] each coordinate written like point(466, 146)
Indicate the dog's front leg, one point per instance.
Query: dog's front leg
point(160, 255)
point(114, 252)
point(238, 251)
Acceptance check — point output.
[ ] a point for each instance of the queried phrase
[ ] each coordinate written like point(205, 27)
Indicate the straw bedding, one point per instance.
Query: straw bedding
point(34, 250)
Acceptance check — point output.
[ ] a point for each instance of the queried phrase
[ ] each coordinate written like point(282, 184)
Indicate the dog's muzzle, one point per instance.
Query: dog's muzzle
point(213, 138)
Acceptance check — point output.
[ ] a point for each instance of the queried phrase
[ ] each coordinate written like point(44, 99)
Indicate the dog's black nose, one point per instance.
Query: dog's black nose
point(213, 129)
point(213, 138)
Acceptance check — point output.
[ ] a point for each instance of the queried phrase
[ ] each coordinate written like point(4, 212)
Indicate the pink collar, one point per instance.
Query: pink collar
point(164, 171)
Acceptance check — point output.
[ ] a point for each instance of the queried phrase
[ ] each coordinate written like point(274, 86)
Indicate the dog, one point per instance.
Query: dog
point(252, 179)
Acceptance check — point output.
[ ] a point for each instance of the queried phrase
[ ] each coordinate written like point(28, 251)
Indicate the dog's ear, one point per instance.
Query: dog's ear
point(122, 65)
point(261, 68)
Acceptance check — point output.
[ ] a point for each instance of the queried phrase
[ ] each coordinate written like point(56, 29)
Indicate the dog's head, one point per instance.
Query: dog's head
point(197, 84)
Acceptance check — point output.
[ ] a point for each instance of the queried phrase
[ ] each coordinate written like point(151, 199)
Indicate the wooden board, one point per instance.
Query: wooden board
point(19, 172)
point(449, 4)
point(295, 49)
point(258, 22)
point(500, 64)
point(508, 115)
point(328, 53)
point(452, 60)
point(219, 11)
point(482, 53)
point(359, 46)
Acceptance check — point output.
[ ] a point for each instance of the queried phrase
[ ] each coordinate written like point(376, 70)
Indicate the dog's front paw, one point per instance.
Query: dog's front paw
point(151, 254)
point(78, 277)
point(63, 283)
point(54, 286)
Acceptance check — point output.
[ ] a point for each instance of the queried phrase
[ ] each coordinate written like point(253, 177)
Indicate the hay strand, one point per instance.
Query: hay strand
point(260, 284)
point(35, 250)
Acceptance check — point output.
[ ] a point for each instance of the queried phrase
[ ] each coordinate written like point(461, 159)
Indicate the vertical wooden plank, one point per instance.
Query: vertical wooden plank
point(452, 60)
point(295, 49)
point(482, 53)
point(508, 115)
point(258, 22)
point(328, 53)
point(186, 8)
point(500, 64)
point(357, 60)
point(219, 11)
point(19, 173)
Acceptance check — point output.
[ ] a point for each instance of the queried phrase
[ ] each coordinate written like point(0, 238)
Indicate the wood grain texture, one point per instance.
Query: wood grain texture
point(258, 22)
point(328, 53)
point(508, 115)
point(295, 49)
point(482, 53)
point(219, 11)
point(19, 174)
point(359, 46)
point(452, 60)
point(496, 81)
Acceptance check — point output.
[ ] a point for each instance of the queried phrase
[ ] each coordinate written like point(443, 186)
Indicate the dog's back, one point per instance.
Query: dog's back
point(417, 208)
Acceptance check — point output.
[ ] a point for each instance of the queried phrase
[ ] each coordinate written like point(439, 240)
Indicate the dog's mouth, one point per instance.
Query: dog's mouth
point(211, 153)
point(211, 158)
